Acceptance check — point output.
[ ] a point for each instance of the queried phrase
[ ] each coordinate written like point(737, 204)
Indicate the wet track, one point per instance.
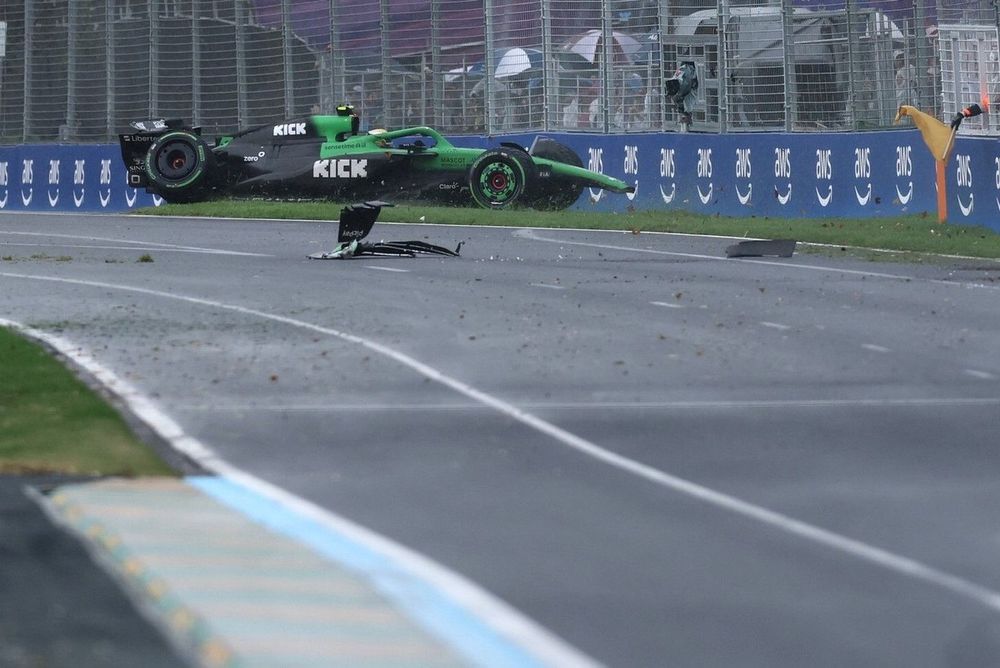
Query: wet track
point(662, 456)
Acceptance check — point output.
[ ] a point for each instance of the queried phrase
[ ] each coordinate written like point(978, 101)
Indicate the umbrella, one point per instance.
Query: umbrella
point(474, 70)
point(511, 62)
point(590, 43)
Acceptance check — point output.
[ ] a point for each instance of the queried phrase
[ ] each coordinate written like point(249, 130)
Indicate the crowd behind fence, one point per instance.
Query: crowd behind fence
point(81, 70)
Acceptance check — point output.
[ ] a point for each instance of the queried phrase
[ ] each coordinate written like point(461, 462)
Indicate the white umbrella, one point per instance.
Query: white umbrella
point(590, 44)
point(515, 61)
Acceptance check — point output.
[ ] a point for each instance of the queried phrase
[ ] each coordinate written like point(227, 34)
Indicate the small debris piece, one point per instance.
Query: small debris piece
point(758, 248)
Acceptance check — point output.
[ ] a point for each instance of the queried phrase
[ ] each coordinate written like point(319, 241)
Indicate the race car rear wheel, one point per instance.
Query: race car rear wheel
point(557, 194)
point(498, 178)
point(178, 165)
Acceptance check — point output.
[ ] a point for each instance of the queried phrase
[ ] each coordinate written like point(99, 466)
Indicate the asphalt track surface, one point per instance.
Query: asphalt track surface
point(660, 455)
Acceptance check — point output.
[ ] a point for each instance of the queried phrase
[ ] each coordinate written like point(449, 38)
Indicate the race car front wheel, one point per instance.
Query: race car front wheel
point(557, 194)
point(498, 178)
point(178, 165)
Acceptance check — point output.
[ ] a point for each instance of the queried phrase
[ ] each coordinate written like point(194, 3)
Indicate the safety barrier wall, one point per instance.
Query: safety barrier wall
point(782, 175)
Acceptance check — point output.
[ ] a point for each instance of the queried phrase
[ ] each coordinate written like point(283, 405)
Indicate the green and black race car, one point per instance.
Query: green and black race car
point(326, 157)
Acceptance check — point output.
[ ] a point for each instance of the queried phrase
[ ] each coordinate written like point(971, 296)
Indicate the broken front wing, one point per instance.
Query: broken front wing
point(356, 222)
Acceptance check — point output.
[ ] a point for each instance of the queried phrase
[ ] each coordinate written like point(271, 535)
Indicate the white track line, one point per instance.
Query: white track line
point(483, 606)
point(153, 244)
point(534, 236)
point(5, 244)
point(898, 564)
point(777, 404)
point(390, 269)
point(775, 325)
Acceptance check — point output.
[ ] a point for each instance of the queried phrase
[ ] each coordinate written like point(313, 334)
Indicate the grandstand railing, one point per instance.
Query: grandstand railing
point(80, 70)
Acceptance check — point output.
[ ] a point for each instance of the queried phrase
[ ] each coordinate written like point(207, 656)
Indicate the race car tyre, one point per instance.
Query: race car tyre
point(498, 178)
point(178, 165)
point(556, 194)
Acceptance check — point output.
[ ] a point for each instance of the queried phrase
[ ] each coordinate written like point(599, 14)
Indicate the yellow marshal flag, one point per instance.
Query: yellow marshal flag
point(938, 136)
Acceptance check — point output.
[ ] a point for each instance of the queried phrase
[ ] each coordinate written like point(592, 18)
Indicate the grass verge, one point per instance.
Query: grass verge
point(51, 422)
point(917, 233)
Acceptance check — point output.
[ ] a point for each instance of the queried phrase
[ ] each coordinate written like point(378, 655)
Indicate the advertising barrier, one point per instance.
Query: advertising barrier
point(860, 175)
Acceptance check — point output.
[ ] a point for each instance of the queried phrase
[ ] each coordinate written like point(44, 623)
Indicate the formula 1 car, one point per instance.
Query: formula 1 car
point(326, 157)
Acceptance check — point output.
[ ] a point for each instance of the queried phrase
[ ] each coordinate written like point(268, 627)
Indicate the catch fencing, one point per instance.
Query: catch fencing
point(81, 70)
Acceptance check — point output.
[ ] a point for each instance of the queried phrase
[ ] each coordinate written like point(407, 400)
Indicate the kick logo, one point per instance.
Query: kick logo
point(667, 171)
point(863, 170)
point(105, 182)
point(632, 168)
point(783, 170)
point(904, 170)
point(79, 176)
point(963, 174)
point(53, 181)
point(705, 172)
point(743, 171)
point(3, 183)
point(27, 179)
point(824, 171)
point(340, 169)
point(289, 129)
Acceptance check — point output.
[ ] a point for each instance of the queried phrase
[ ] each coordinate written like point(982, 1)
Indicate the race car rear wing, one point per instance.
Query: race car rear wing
point(135, 145)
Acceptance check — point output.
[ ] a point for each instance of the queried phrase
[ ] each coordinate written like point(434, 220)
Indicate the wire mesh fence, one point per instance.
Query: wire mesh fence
point(81, 70)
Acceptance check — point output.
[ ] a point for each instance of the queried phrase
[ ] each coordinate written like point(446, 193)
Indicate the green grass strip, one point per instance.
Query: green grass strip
point(919, 233)
point(51, 422)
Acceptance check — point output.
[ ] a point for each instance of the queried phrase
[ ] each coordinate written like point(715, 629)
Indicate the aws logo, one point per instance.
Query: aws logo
point(595, 163)
point(705, 172)
point(744, 170)
point(904, 170)
point(53, 181)
point(27, 179)
point(783, 171)
point(105, 192)
point(996, 162)
point(863, 171)
point(289, 129)
point(668, 171)
point(79, 178)
point(963, 175)
point(824, 172)
point(343, 168)
point(632, 168)
point(3, 183)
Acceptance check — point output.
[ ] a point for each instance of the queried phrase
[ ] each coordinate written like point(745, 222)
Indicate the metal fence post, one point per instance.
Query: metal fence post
point(550, 87)
point(389, 104)
point(491, 68)
point(606, 55)
point(662, 27)
point(788, 61)
point(69, 131)
point(154, 58)
point(29, 48)
point(722, 14)
point(923, 55)
point(286, 57)
point(242, 107)
point(109, 72)
point(852, 48)
point(437, 91)
point(336, 57)
point(196, 78)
